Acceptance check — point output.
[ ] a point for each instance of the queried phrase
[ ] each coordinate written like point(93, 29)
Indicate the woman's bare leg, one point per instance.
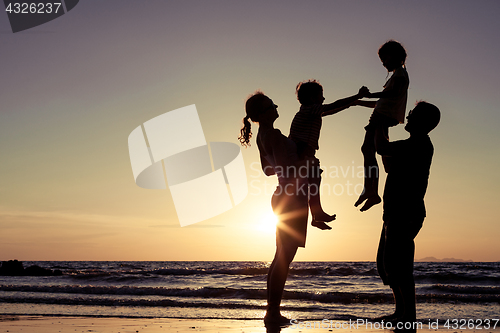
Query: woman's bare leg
point(276, 278)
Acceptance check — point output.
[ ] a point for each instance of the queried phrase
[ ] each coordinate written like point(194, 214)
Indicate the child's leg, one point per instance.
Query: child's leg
point(370, 191)
point(317, 212)
point(386, 160)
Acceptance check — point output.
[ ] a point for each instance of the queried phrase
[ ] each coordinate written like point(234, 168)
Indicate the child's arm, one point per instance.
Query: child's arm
point(398, 88)
point(368, 104)
point(344, 103)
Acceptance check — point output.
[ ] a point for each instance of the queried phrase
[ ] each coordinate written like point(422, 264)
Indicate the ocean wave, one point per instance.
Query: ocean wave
point(446, 294)
point(442, 273)
point(205, 292)
point(464, 289)
point(458, 278)
point(95, 301)
point(250, 271)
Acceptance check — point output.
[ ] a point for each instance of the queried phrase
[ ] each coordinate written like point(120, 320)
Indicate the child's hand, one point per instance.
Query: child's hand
point(363, 92)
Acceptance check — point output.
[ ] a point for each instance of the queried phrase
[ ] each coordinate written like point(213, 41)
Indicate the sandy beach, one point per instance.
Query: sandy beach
point(46, 324)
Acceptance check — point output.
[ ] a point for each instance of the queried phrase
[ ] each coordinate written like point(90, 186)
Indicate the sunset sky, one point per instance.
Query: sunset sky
point(73, 89)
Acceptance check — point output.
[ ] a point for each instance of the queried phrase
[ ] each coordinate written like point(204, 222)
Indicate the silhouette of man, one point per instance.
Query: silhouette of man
point(404, 209)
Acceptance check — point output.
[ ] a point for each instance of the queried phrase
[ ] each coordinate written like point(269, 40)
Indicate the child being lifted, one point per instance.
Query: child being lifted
point(388, 111)
point(305, 131)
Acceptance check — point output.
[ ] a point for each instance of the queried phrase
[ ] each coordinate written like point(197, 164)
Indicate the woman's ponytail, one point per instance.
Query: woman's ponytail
point(253, 109)
point(245, 132)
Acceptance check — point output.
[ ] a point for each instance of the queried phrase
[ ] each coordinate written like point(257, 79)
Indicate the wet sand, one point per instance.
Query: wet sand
point(46, 324)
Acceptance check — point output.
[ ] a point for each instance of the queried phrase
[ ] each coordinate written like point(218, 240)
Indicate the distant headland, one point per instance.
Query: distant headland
point(433, 259)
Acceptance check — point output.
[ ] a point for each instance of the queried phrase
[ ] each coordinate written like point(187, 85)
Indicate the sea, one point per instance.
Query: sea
point(237, 290)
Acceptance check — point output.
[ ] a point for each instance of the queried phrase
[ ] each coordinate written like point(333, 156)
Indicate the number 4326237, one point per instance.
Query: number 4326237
point(33, 8)
point(477, 324)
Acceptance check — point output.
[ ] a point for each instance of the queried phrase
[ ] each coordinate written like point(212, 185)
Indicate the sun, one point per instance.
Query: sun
point(267, 223)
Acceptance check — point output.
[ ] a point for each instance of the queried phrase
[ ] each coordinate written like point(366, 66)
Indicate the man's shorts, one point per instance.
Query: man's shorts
point(396, 250)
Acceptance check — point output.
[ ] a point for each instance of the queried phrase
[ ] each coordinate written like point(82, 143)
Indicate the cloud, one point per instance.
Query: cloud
point(191, 226)
point(33, 219)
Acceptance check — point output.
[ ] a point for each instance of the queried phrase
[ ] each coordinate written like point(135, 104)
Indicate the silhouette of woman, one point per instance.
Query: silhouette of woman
point(278, 156)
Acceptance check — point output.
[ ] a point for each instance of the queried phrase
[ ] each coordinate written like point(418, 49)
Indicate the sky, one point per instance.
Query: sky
point(73, 89)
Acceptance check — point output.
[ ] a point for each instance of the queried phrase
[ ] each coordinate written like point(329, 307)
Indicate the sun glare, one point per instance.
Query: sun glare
point(267, 223)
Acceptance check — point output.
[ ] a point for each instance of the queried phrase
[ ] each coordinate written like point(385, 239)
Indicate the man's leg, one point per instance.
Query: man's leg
point(403, 247)
point(398, 300)
point(407, 290)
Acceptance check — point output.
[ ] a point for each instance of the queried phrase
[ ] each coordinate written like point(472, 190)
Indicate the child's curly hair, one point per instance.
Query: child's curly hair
point(306, 91)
